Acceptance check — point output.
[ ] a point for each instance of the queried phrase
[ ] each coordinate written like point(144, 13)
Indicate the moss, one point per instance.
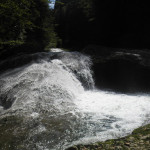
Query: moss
point(138, 140)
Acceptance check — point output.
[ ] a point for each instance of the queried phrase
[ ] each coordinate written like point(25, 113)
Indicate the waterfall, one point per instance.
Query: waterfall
point(51, 97)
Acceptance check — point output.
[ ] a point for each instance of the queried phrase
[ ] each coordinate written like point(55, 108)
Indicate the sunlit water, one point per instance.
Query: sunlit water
point(55, 96)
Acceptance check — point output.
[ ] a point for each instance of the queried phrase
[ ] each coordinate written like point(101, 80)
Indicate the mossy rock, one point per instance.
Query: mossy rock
point(138, 140)
point(11, 133)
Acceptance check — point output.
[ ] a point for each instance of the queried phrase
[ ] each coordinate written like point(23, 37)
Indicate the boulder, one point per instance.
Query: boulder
point(122, 70)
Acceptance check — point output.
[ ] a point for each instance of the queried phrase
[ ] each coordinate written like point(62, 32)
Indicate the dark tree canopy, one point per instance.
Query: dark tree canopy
point(26, 22)
point(118, 23)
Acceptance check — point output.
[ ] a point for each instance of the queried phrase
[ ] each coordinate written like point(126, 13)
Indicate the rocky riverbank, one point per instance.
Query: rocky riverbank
point(122, 70)
point(138, 140)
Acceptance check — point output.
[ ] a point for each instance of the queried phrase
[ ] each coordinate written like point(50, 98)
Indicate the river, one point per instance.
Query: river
point(54, 104)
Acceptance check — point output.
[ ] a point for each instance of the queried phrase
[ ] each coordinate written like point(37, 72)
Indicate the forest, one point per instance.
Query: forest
point(123, 24)
point(26, 24)
point(119, 23)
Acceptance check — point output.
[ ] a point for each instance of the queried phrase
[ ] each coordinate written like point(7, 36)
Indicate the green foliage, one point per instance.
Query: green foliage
point(88, 8)
point(75, 19)
point(27, 22)
point(14, 18)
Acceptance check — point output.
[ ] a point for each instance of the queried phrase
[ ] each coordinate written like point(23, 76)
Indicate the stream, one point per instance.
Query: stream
point(49, 102)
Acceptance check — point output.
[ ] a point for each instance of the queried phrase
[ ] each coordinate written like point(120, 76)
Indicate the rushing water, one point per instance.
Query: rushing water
point(53, 93)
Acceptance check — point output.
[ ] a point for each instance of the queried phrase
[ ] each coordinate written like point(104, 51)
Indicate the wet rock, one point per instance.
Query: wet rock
point(73, 148)
point(120, 69)
point(137, 142)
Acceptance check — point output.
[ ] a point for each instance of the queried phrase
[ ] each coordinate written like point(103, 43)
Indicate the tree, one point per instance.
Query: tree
point(118, 23)
point(14, 19)
point(26, 22)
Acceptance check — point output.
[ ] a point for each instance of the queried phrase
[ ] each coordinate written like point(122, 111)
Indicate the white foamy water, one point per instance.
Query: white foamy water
point(56, 50)
point(116, 114)
point(54, 96)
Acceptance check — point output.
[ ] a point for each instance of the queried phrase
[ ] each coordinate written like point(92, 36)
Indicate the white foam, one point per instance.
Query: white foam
point(56, 50)
point(124, 112)
point(34, 115)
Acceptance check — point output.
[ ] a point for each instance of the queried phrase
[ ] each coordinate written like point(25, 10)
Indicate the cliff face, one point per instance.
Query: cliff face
point(118, 23)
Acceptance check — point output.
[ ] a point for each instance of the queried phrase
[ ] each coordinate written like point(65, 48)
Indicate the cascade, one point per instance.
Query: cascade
point(51, 97)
